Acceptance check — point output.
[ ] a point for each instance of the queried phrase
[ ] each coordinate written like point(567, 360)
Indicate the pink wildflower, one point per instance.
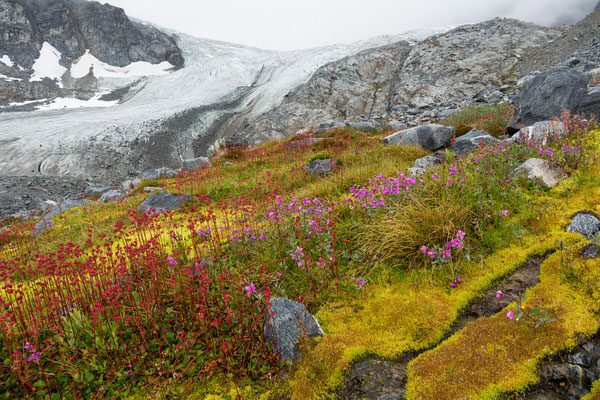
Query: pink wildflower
point(510, 314)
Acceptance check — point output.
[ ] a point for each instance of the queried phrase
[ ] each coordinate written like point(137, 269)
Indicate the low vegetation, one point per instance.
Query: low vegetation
point(114, 303)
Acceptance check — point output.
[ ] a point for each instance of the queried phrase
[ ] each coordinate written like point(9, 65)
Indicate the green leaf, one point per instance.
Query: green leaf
point(39, 384)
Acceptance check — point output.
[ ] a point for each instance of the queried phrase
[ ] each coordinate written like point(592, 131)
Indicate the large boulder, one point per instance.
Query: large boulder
point(164, 201)
point(322, 167)
point(288, 322)
point(195, 163)
point(541, 172)
point(546, 95)
point(591, 102)
point(47, 223)
point(586, 224)
point(471, 141)
point(429, 137)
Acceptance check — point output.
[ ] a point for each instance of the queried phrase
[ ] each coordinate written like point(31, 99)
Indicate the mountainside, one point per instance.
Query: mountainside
point(50, 48)
point(447, 68)
point(580, 42)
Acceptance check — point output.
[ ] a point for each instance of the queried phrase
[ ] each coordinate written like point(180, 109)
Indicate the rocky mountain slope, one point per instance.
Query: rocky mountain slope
point(447, 68)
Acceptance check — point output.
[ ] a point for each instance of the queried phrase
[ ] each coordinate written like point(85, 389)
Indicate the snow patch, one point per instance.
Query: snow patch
point(6, 61)
point(81, 68)
point(47, 65)
point(10, 79)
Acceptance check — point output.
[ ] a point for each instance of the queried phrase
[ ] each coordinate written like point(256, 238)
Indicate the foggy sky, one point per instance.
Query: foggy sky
point(287, 24)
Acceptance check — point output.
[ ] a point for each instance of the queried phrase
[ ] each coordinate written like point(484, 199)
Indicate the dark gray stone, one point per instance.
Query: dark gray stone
point(158, 173)
point(429, 137)
point(97, 190)
point(541, 172)
point(470, 142)
point(322, 167)
point(164, 201)
point(580, 359)
point(112, 195)
point(195, 163)
point(546, 95)
point(287, 324)
point(586, 224)
point(46, 222)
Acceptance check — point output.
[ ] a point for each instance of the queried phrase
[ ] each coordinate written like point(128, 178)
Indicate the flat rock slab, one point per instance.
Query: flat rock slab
point(164, 201)
point(429, 137)
point(290, 321)
point(196, 163)
point(541, 172)
point(46, 223)
point(471, 141)
point(586, 224)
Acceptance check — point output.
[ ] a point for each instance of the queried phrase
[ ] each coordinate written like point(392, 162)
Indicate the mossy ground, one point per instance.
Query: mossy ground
point(406, 305)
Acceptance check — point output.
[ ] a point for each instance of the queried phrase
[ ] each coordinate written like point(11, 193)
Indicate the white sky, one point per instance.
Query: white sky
point(291, 24)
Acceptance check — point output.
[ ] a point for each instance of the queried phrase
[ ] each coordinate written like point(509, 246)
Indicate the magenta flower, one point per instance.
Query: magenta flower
point(431, 254)
point(499, 294)
point(424, 249)
point(510, 314)
point(461, 235)
point(34, 356)
point(453, 285)
point(435, 176)
point(171, 260)
point(505, 213)
point(360, 282)
point(28, 346)
point(446, 254)
point(278, 274)
point(250, 289)
point(458, 280)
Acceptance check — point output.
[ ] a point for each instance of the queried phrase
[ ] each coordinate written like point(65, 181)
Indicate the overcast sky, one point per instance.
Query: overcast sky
point(292, 24)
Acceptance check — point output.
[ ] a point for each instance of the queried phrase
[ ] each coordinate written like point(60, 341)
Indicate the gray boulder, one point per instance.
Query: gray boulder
point(591, 252)
point(97, 190)
point(541, 172)
point(288, 323)
point(586, 224)
point(429, 137)
point(131, 184)
point(46, 222)
point(164, 201)
point(195, 163)
point(322, 167)
point(546, 95)
point(112, 195)
point(468, 143)
point(158, 173)
point(591, 102)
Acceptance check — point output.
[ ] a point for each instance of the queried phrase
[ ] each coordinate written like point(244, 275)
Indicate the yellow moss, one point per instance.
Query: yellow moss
point(595, 393)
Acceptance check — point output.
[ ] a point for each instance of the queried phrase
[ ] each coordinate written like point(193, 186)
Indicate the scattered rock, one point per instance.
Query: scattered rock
point(546, 95)
point(164, 201)
point(396, 125)
point(111, 196)
point(287, 324)
point(362, 126)
point(131, 184)
point(586, 224)
point(426, 162)
point(470, 142)
point(301, 143)
point(591, 251)
point(541, 172)
point(541, 131)
point(322, 167)
point(158, 173)
point(46, 222)
point(429, 137)
point(196, 163)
